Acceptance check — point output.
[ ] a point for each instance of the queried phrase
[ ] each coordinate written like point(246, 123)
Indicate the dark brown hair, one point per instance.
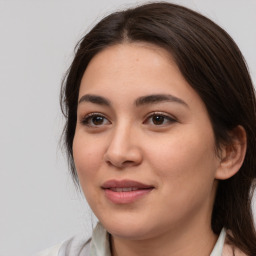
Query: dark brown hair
point(213, 65)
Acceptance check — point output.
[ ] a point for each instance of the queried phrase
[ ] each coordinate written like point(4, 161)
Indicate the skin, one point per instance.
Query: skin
point(176, 156)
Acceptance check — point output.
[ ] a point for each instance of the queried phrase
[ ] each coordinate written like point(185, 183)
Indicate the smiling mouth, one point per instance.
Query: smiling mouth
point(125, 191)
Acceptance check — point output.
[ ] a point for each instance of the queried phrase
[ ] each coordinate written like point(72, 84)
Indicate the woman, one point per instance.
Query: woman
point(160, 136)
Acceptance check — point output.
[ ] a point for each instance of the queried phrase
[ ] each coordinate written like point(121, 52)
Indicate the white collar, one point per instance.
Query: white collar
point(217, 250)
point(100, 242)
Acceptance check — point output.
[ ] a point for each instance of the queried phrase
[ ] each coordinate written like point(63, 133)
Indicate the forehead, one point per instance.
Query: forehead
point(133, 51)
point(130, 63)
point(125, 72)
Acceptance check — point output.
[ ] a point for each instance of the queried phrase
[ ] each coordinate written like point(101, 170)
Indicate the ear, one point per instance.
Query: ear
point(233, 154)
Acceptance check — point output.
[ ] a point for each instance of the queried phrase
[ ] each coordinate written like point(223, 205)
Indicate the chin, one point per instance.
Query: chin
point(130, 233)
point(128, 229)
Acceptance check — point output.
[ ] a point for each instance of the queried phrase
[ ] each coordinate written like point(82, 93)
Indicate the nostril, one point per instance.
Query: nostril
point(108, 162)
point(115, 164)
point(127, 163)
point(120, 164)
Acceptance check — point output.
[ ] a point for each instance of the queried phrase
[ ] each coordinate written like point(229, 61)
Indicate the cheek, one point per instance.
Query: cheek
point(184, 161)
point(185, 173)
point(87, 157)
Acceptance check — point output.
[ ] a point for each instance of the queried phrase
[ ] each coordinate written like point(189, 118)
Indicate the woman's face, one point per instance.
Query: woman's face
point(144, 147)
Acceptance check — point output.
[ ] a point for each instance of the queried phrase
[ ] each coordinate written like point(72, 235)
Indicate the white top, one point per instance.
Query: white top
point(98, 245)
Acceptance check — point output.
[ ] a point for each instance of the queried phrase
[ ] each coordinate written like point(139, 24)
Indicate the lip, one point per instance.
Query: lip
point(125, 191)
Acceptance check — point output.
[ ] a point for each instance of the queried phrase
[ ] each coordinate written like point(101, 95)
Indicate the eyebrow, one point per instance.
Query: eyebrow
point(94, 99)
point(157, 98)
point(144, 100)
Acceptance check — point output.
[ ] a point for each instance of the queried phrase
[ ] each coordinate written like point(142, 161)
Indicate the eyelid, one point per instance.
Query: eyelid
point(85, 118)
point(169, 117)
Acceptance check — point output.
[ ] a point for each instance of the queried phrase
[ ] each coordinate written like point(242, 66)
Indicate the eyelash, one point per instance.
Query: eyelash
point(167, 119)
point(87, 120)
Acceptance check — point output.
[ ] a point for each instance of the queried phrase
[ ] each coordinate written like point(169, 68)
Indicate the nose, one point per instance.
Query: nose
point(123, 149)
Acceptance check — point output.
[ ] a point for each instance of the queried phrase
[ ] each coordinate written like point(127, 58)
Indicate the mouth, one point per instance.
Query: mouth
point(125, 191)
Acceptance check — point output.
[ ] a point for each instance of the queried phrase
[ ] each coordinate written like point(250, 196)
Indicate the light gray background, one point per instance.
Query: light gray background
point(39, 205)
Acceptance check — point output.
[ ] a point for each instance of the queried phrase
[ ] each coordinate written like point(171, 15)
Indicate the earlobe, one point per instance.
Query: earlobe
point(233, 154)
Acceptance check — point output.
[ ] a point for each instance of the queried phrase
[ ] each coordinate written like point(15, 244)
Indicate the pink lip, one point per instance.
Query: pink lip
point(135, 191)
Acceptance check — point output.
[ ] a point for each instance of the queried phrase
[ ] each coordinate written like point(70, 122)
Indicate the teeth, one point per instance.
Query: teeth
point(124, 189)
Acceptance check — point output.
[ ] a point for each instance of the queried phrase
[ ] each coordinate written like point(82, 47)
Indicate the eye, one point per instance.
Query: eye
point(159, 119)
point(95, 120)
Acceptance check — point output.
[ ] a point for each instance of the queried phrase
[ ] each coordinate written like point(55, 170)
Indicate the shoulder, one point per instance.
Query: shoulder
point(74, 246)
point(52, 251)
point(231, 250)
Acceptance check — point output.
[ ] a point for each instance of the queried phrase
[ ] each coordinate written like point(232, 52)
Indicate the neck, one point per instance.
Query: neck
point(199, 241)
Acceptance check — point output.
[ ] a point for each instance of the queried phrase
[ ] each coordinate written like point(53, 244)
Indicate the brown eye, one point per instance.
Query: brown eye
point(158, 120)
point(95, 120)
